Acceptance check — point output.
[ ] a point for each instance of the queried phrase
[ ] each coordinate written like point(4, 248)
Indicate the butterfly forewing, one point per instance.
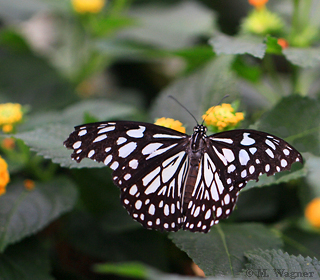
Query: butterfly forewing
point(170, 180)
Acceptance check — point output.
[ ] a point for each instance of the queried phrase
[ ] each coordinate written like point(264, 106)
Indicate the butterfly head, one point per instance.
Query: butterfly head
point(200, 129)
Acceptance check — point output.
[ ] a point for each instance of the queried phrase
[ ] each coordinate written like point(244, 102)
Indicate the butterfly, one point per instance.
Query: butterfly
point(170, 180)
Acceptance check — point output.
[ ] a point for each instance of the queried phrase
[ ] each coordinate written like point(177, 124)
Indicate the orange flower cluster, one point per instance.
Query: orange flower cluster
point(222, 117)
point(171, 123)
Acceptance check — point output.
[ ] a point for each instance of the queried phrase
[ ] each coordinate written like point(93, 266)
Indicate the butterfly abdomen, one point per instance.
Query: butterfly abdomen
point(195, 154)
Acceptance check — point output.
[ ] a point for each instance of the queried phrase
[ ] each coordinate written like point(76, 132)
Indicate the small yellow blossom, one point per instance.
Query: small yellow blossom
point(29, 184)
point(171, 123)
point(258, 3)
point(88, 6)
point(312, 212)
point(222, 117)
point(262, 22)
point(10, 113)
point(8, 144)
point(4, 176)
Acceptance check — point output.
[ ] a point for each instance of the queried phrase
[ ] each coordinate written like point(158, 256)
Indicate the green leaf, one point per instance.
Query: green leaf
point(272, 45)
point(75, 114)
point(129, 269)
point(276, 264)
point(25, 261)
point(296, 119)
point(198, 92)
point(308, 57)
point(48, 142)
point(313, 176)
point(25, 212)
point(48, 133)
point(221, 251)
point(170, 27)
point(224, 44)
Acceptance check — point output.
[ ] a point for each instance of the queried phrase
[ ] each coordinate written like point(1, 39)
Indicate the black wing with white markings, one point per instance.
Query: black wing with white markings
point(149, 164)
point(229, 161)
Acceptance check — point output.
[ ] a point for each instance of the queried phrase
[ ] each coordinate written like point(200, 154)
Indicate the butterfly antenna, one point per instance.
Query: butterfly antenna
point(184, 108)
point(226, 96)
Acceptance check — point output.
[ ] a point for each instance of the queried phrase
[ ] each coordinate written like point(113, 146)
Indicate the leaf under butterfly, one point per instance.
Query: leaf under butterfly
point(220, 252)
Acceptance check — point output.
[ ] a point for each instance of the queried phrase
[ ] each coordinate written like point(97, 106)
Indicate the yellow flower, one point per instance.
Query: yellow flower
point(171, 123)
point(262, 22)
point(29, 184)
point(4, 176)
point(222, 117)
point(88, 6)
point(10, 113)
point(312, 212)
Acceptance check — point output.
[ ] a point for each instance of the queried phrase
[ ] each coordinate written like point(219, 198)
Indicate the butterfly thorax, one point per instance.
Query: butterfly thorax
point(195, 153)
point(199, 134)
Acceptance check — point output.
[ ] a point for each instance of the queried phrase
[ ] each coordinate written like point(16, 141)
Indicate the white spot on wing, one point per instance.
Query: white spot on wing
point(267, 168)
point(224, 140)
point(133, 163)
point(127, 149)
point(107, 159)
point(270, 153)
point(150, 148)
point(121, 140)
point(106, 129)
point(133, 190)
point(77, 145)
point(82, 132)
point(114, 165)
point(152, 209)
point(270, 144)
point(231, 168)
point(91, 153)
point(243, 157)
point(167, 136)
point(286, 152)
point(100, 138)
point(228, 154)
point(247, 140)
point(219, 212)
point(138, 205)
point(160, 151)
point(136, 133)
point(253, 150)
point(284, 163)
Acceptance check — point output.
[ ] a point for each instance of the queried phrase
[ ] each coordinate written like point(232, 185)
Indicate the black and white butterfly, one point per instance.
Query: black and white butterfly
point(170, 180)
